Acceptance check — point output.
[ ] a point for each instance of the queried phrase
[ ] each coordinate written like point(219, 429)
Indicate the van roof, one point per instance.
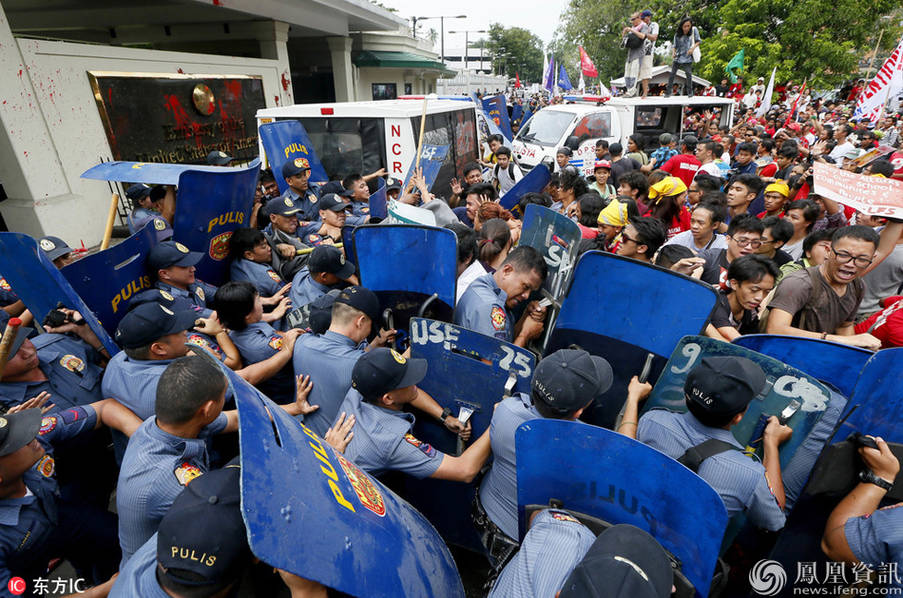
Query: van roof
point(380, 108)
point(582, 107)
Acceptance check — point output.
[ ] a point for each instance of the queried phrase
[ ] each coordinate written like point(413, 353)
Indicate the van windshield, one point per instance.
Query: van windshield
point(545, 127)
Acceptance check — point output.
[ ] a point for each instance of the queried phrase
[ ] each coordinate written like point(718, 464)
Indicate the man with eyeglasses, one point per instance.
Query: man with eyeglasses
point(744, 236)
point(821, 302)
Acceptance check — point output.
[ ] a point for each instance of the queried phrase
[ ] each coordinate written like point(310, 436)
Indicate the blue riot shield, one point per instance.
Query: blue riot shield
point(406, 266)
point(497, 109)
point(285, 141)
point(619, 480)
point(431, 159)
point(557, 238)
point(878, 398)
point(107, 280)
point(150, 173)
point(483, 116)
point(533, 182)
point(624, 310)
point(834, 363)
point(465, 370)
point(41, 286)
point(209, 207)
point(517, 111)
point(312, 512)
point(378, 201)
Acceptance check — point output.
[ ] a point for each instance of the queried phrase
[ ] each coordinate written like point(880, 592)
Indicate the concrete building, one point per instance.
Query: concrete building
point(61, 62)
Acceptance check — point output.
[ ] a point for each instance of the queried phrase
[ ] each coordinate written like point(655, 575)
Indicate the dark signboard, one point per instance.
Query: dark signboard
point(178, 118)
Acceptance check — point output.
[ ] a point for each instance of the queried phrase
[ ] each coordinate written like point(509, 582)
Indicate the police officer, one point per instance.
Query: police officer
point(329, 358)
point(564, 384)
point(333, 213)
point(219, 158)
point(173, 267)
point(717, 393)
point(484, 305)
point(297, 174)
point(204, 519)
point(56, 250)
point(252, 260)
point(357, 192)
point(37, 524)
point(148, 203)
point(857, 530)
point(383, 382)
point(326, 269)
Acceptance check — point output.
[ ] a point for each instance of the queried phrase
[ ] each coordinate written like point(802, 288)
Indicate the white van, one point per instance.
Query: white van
point(362, 137)
point(579, 125)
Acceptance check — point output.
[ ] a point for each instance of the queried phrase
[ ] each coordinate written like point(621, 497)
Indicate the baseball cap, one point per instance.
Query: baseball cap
point(568, 379)
point(171, 253)
point(665, 138)
point(164, 298)
point(138, 191)
point(202, 539)
point(566, 151)
point(393, 186)
point(218, 158)
point(690, 140)
point(362, 299)
point(333, 202)
point(53, 247)
point(282, 206)
point(723, 386)
point(325, 258)
point(646, 13)
point(295, 167)
point(383, 370)
point(321, 312)
point(149, 322)
point(22, 334)
point(346, 192)
point(18, 429)
point(623, 561)
point(602, 164)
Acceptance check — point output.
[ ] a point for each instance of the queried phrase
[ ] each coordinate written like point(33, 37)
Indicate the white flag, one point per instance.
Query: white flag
point(765, 106)
point(887, 82)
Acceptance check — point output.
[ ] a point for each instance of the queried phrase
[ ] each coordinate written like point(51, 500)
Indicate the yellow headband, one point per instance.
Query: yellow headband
point(614, 214)
point(667, 187)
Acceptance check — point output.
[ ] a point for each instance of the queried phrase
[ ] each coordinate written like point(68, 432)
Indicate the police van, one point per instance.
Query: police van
point(362, 137)
point(579, 125)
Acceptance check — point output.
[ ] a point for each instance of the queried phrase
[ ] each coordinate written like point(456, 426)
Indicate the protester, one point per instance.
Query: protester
point(686, 40)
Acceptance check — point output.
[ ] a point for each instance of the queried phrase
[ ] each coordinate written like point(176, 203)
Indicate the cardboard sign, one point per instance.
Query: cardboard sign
point(872, 195)
point(872, 155)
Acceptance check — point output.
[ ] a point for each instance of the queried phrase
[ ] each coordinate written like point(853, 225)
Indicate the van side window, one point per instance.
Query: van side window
point(648, 117)
point(595, 125)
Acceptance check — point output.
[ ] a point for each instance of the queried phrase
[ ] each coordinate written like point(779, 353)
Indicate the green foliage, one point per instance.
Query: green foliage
point(524, 48)
point(819, 39)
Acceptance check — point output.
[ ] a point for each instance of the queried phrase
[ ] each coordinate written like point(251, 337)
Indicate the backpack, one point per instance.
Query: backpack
point(495, 174)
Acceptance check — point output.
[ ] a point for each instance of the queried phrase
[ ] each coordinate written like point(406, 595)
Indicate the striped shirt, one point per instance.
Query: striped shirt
point(878, 538)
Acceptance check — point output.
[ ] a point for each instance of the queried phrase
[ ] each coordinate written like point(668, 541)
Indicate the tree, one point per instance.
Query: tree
point(524, 51)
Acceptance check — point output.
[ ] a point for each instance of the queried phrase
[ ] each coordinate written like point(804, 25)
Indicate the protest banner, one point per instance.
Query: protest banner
point(872, 195)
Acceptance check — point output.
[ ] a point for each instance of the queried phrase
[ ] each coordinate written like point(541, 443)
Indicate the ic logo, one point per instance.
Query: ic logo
point(767, 578)
point(16, 586)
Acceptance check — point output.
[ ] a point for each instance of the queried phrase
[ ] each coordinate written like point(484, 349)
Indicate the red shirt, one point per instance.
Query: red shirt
point(680, 222)
point(769, 170)
point(683, 166)
point(890, 323)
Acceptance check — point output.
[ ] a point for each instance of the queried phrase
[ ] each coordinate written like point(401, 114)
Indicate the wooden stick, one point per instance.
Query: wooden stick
point(12, 329)
point(420, 141)
point(307, 250)
point(111, 217)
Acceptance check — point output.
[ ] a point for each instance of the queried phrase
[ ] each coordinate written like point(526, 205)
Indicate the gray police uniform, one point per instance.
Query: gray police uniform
point(139, 576)
point(7, 295)
point(72, 370)
point(738, 479)
point(555, 544)
point(306, 203)
point(305, 289)
point(155, 469)
point(262, 276)
point(199, 293)
point(133, 382)
point(328, 359)
point(258, 342)
point(878, 538)
point(383, 441)
point(482, 309)
point(360, 210)
point(498, 492)
point(140, 217)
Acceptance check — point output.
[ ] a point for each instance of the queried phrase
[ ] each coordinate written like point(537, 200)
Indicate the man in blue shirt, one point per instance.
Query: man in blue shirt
point(329, 358)
point(252, 260)
point(858, 531)
point(358, 193)
point(717, 392)
point(326, 269)
point(484, 305)
point(172, 266)
point(564, 384)
point(383, 382)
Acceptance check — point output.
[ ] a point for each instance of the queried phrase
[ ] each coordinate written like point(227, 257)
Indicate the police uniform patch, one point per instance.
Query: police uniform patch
point(274, 276)
point(313, 238)
point(46, 466)
point(201, 341)
point(288, 202)
point(166, 296)
point(562, 516)
point(425, 448)
point(5, 285)
point(159, 224)
point(47, 245)
point(397, 356)
point(275, 343)
point(312, 198)
point(72, 415)
point(168, 311)
point(498, 317)
point(72, 363)
point(302, 163)
point(181, 247)
point(186, 472)
point(365, 210)
point(367, 492)
point(48, 424)
point(200, 293)
point(219, 246)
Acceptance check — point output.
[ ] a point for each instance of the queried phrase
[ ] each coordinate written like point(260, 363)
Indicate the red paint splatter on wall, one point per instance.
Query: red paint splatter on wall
point(180, 71)
point(285, 82)
point(20, 72)
point(276, 99)
point(184, 124)
point(110, 97)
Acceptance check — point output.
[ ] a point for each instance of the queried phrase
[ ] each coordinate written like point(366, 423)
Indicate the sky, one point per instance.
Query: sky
point(538, 17)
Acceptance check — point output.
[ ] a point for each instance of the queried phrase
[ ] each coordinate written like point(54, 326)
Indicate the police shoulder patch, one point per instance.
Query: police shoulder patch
point(562, 516)
point(498, 317)
point(200, 293)
point(425, 448)
point(186, 472)
point(272, 274)
point(275, 343)
point(72, 363)
point(46, 466)
point(48, 424)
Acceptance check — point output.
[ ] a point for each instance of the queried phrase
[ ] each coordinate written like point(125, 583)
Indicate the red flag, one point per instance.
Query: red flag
point(516, 80)
point(586, 64)
point(795, 102)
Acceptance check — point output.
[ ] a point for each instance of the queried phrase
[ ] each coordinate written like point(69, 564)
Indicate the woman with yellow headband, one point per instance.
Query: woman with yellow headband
point(666, 199)
point(612, 220)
